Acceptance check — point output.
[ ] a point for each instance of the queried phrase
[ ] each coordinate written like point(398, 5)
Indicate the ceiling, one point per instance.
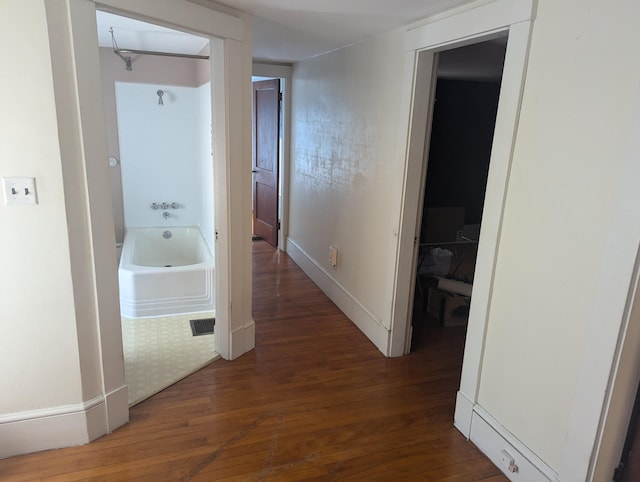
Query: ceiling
point(285, 30)
point(290, 30)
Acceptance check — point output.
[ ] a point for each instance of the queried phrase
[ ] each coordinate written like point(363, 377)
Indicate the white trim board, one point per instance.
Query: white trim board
point(243, 339)
point(493, 439)
point(463, 414)
point(350, 306)
point(62, 426)
point(467, 24)
point(265, 69)
point(117, 409)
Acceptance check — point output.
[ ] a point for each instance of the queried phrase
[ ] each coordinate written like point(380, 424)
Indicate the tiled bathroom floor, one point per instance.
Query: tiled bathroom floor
point(160, 351)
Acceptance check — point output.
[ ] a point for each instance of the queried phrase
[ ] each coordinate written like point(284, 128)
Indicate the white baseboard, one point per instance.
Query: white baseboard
point(350, 306)
point(463, 414)
point(492, 439)
point(243, 339)
point(62, 426)
point(116, 408)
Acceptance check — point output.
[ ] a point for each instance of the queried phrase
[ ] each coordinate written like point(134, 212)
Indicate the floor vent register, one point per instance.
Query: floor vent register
point(203, 326)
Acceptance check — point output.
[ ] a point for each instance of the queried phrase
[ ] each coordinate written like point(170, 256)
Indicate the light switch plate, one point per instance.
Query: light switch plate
point(19, 190)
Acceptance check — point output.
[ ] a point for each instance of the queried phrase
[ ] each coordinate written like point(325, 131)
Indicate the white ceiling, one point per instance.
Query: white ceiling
point(286, 30)
point(290, 30)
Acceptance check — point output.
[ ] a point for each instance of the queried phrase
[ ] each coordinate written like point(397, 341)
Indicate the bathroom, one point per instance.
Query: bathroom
point(158, 119)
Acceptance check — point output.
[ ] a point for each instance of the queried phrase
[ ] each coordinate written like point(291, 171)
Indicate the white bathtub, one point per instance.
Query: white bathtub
point(165, 275)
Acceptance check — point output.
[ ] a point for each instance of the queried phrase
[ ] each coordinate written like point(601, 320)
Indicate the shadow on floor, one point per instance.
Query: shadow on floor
point(430, 333)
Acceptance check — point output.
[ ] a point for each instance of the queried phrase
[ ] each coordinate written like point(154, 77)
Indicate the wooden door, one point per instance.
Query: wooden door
point(266, 134)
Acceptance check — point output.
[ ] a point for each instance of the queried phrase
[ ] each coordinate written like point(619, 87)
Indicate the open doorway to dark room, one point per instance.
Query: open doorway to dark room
point(457, 163)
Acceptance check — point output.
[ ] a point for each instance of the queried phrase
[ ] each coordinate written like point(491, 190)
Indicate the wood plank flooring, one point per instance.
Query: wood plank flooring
point(314, 401)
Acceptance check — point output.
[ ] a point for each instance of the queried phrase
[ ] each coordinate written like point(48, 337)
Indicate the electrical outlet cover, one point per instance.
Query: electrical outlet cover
point(333, 257)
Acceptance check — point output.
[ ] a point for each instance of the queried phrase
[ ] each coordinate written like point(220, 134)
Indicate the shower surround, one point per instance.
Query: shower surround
point(165, 154)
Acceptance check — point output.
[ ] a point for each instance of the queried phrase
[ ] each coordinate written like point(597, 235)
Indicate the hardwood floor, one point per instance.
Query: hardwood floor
point(314, 401)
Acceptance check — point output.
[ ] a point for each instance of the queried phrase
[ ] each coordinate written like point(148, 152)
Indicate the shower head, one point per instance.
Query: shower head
point(160, 94)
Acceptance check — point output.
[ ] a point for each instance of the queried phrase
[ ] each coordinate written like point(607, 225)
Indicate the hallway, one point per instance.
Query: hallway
point(314, 401)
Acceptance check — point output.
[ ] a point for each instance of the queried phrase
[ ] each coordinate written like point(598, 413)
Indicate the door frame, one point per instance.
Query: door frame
point(422, 41)
point(255, 168)
point(230, 341)
point(230, 85)
point(284, 73)
point(425, 93)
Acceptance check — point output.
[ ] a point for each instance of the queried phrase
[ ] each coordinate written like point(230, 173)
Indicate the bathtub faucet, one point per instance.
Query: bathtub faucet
point(154, 206)
point(166, 215)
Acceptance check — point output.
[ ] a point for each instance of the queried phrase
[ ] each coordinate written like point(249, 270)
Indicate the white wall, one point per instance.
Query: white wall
point(344, 123)
point(58, 387)
point(36, 295)
point(570, 230)
point(571, 223)
point(161, 150)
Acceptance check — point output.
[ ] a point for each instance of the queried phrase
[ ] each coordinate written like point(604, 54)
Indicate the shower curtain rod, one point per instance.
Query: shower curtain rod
point(165, 54)
point(127, 60)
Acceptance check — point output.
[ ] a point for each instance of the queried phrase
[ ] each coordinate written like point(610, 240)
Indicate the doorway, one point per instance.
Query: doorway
point(158, 121)
point(266, 159)
point(456, 165)
point(73, 30)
